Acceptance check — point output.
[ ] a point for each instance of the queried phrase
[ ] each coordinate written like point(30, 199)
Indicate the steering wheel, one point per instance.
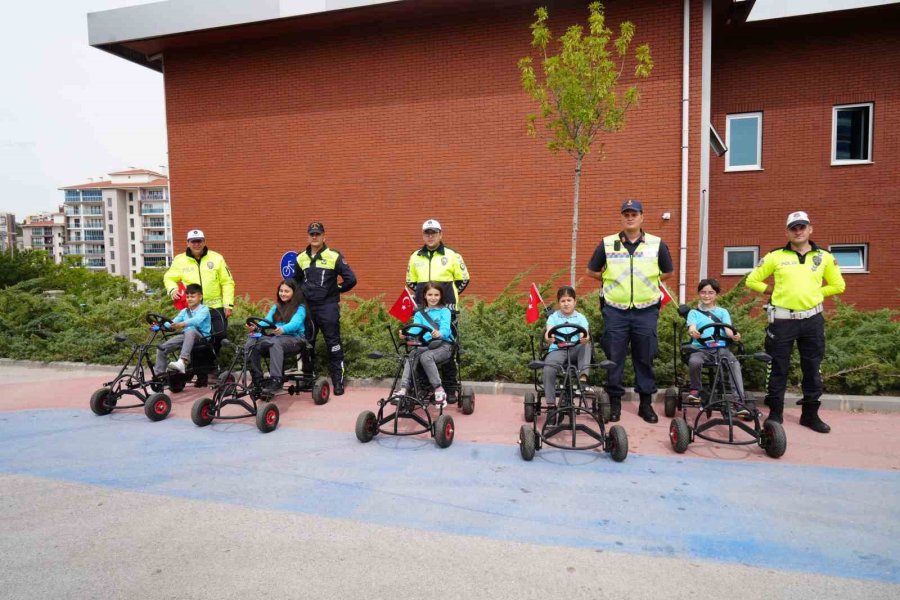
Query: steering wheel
point(416, 331)
point(155, 319)
point(261, 324)
point(566, 339)
point(719, 333)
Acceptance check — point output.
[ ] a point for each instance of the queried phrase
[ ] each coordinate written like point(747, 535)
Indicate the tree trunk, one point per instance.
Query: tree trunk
point(575, 220)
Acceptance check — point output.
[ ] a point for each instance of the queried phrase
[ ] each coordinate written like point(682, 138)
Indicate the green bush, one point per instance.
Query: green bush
point(862, 352)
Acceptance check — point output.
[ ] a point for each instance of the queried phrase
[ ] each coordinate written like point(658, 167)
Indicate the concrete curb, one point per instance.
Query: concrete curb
point(829, 401)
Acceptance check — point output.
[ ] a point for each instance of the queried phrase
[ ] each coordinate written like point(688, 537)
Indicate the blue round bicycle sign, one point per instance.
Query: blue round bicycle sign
point(289, 264)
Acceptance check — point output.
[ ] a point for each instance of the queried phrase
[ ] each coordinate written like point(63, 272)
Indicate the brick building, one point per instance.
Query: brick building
point(376, 117)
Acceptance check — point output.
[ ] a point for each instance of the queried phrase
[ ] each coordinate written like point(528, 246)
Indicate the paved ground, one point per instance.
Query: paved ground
point(117, 506)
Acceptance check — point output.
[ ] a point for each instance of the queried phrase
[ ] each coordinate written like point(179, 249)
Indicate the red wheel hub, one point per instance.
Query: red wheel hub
point(204, 413)
point(271, 417)
point(160, 407)
point(448, 431)
point(673, 434)
point(326, 390)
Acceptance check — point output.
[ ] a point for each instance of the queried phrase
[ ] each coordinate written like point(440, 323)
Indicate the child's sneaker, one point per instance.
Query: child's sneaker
point(440, 398)
point(177, 365)
point(693, 397)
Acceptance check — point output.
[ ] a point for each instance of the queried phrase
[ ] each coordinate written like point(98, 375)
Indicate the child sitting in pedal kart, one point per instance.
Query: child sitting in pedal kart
point(708, 312)
point(436, 318)
point(194, 322)
point(288, 316)
point(566, 315)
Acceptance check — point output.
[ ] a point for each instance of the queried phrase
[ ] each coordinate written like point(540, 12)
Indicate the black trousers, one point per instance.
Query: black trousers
point(810, 337)
point(327, 319)
point(637, 327)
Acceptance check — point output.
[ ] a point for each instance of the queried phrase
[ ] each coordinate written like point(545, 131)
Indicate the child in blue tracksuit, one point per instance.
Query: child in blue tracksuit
point(427, 356)
point(288, 315)
point(566, 314)
point(698, 317)
point(195, 323)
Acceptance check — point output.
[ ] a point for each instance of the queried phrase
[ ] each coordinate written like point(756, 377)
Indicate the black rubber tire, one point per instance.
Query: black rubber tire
point(102, 401)
point(671, 401)
point(618, 443)
point(158, 406)
point(321, 391)
point(202, 412)
point(467, 401)
point(679, 435)
point(267, 416)
point(530, 406)
point(605, 406)
point(366, 426)
point(526, 442)
point(177, 381)
point(774, 440)
point(444, 431)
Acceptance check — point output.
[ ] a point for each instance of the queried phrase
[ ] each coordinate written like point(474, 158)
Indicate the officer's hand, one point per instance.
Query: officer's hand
point(227, 313)
point(176, 294)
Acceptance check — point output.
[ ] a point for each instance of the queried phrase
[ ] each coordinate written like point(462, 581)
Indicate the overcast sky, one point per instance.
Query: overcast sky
point(70, 112)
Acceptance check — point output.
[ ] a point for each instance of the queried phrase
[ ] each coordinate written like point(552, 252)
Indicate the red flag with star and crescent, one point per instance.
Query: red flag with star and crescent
point(404, 307)
point(666, 296)
point(181, 303)
point(533, 311)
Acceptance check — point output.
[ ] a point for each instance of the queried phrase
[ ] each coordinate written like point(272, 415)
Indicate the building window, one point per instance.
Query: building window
point(851, 258)
point(112, 268)
point(109, 203)
point(133, 262)
point(132, 236)
point(130, 195)
point(851, 134)
point(109, 214)
point(130, 208)
point(740, 260)
point(110, 228)
point(131, 222)
point(743, 137)
point(112, 255)
point(111, 242)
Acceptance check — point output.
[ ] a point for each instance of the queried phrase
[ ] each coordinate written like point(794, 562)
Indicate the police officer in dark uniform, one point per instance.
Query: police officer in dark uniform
point(318, 270)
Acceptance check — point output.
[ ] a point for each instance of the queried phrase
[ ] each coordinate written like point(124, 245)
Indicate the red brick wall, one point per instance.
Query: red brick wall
point(795, 71)
point(374, 129)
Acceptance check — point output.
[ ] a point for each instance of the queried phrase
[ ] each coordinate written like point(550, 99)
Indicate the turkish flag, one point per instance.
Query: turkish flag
point(181, 303)
point(533, 311)
point(404, 307)
point(666, 296)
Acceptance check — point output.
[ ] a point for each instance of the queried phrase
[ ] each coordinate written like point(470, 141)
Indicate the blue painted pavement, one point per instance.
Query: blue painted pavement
point(842, 522)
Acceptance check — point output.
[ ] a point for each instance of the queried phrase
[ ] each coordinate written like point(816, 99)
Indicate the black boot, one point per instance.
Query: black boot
point(776, 410)
point(810, 417)
point(615, 409)
point(645, 410)
point(337, 385)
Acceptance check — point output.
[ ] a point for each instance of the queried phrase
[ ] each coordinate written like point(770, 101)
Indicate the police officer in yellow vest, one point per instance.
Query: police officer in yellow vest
point(436, 262)
point(318, 270)
point(631, 265)
point(795, 313)
point(198, 264)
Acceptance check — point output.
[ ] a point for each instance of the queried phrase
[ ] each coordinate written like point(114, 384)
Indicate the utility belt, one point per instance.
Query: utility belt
point(777, 313)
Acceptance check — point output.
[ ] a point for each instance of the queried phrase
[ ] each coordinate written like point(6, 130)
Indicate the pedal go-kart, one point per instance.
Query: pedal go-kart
point(133, 380)
point(578, 411)
point(720, 404)
point(415, 406)
point(237, 388)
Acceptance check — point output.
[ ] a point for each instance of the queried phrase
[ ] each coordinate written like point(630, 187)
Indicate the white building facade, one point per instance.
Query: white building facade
point(45, 231)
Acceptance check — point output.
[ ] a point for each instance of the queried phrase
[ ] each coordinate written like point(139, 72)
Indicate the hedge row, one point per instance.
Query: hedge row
point(79, 325)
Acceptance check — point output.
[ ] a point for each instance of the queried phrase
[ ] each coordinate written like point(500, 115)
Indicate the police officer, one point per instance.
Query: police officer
point(795, 313)
point(436, 262)
point(631, 264)
point(198, 264)
point(318, 270)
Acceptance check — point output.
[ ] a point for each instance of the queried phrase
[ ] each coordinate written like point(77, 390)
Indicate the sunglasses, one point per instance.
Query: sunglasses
point(798, 227)
point(431, 232)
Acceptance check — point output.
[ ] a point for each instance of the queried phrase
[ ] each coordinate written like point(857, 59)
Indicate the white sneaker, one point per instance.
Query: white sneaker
point(177, 365)
point(440, 398)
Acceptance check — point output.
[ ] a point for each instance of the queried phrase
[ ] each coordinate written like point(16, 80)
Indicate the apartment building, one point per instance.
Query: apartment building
point(122, 225)
point(7, 231)
point(45, 231)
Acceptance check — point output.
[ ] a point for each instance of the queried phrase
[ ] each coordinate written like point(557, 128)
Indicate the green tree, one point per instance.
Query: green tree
point(578, 93)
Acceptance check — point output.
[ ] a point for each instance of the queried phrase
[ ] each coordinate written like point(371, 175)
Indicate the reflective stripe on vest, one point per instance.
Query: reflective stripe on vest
point(631, 281)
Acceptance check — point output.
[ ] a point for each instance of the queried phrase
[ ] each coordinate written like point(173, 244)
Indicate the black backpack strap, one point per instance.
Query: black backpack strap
point(428, 319)
point(711, 316)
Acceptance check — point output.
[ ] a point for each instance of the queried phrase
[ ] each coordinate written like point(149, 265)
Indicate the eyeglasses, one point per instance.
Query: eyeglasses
point(431, 232)
point(708, 292)
point(798, 227)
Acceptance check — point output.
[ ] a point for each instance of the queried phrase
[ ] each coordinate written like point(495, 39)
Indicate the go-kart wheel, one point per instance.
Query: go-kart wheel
point(157, 406)
point(321, 390)
point(267, 416)
point(679, 435)
point(366, 426)
point(605, 406)
point(202, 412)
point(103, 401)
point(444, 431)
point(530, 402)
point(773, 439)
point(526, 441)
point(617, 443)
point(671, 401)
point(177, 381)
point(467, 401)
